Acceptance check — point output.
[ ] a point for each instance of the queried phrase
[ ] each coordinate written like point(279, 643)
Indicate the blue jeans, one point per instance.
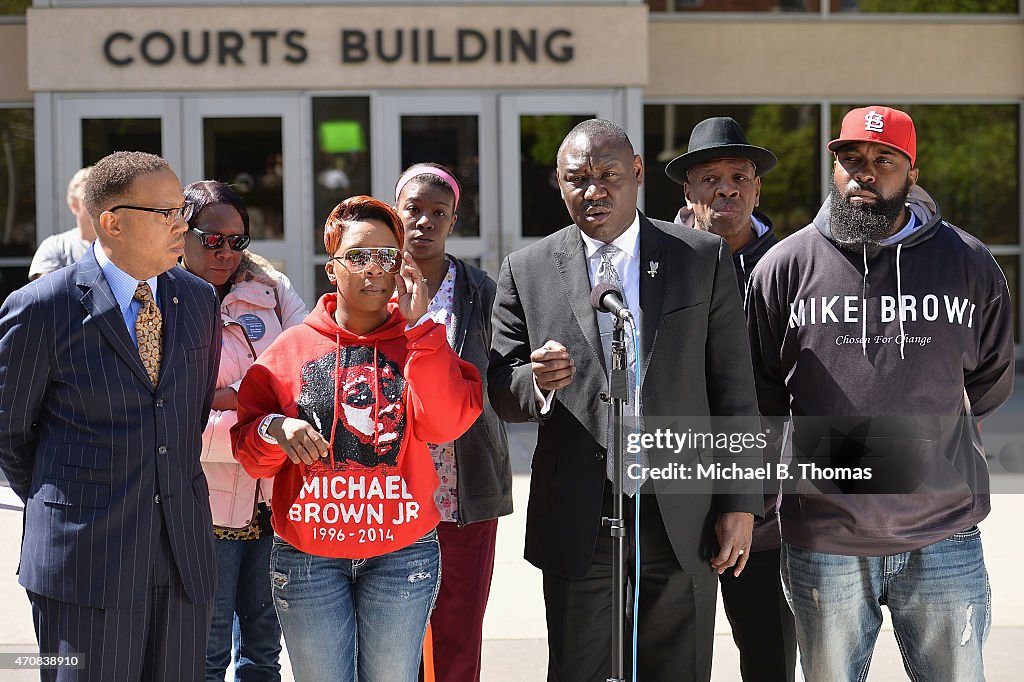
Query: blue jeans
point(341, 616)
point(243, 613)
point(938, 596)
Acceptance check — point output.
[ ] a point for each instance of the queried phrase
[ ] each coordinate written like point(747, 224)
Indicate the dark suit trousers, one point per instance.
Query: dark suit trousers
point(579, 614)
point(161, 640)
point(762, 624)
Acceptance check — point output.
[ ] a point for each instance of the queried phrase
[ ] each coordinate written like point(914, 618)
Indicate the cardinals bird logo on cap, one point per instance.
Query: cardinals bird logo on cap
point(873, 122)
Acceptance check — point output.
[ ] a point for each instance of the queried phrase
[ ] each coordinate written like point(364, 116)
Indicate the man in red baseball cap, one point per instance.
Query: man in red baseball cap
point(873, 174)
point(890, 127)
point(885, 332)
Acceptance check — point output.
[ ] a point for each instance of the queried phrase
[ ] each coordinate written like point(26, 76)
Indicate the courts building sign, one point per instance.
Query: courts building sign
point(356, 46)
point(331, 47)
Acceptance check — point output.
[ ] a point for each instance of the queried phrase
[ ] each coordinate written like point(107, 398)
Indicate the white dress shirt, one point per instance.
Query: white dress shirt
point(626, 260)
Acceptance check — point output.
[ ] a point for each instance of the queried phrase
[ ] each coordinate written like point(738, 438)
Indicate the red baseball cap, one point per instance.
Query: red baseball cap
point(891, 127)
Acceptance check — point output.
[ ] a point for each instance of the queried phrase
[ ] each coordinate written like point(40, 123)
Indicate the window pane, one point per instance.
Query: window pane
point(102, 136)
point(14, 6)
point(341, 153)
point(453, 141)
point(790, 193)
point(967, 156)
point(246, 153)
point(17, 189)
point(734, 5)
point(543, 211)
point(12, 278)
point(926, 6)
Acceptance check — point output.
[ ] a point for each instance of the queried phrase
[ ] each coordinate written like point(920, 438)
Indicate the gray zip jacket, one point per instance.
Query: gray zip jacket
point(484, 470)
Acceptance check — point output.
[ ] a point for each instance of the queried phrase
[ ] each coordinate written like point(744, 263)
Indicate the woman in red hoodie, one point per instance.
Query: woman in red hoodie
point(340, 410)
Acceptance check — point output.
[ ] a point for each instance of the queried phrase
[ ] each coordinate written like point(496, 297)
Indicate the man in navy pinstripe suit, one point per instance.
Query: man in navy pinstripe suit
point(117, 554)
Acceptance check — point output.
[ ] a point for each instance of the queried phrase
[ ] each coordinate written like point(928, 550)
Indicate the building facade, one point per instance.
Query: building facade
point(300, 105)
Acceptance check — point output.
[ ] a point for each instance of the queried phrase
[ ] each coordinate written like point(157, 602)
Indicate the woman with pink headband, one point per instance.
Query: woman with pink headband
point(474, 471)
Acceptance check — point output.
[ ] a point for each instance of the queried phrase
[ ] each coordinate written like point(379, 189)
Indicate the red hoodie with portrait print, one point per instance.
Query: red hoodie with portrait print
point(378, 400)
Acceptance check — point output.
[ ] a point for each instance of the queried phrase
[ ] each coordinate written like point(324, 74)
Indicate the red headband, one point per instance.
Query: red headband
point(422, 169)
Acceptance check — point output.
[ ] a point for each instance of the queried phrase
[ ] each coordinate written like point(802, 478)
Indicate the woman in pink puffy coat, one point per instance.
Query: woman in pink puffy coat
point(257, 304)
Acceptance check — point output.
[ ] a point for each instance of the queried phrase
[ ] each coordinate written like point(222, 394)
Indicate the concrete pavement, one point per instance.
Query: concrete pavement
point(514, 648)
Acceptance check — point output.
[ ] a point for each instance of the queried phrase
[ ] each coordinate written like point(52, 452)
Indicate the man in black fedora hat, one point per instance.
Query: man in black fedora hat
point(721, 178)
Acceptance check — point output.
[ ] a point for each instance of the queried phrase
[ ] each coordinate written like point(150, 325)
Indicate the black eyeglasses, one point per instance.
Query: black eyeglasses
point(358, 260)
point(171, 215)
point(213, 241)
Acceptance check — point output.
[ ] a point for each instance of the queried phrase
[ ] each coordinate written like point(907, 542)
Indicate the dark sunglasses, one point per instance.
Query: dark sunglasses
point(213, 241)
point(358, 260)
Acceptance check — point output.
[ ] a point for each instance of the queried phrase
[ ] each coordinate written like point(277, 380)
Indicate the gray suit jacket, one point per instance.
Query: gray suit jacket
point(694, 364)
point(88, 442)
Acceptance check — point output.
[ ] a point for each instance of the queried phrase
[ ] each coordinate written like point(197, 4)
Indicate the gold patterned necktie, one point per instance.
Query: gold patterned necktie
point(149, 331)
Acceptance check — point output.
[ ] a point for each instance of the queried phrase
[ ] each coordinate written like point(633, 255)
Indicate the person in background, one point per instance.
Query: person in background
point(721, 178)
point(474, 471)
point(256, 303)
point(340, 410)
point(61, 250)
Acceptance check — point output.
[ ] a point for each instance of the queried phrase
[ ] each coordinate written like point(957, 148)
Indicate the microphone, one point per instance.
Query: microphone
point(607, 299)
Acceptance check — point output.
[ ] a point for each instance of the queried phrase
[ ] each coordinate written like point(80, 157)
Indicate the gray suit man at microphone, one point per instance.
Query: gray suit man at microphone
point(548, 364)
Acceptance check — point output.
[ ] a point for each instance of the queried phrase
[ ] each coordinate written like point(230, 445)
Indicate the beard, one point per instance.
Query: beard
point(856, 225)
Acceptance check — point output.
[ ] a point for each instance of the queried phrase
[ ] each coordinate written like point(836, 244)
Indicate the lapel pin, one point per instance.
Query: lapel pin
point(654, 268)
point(175, 299)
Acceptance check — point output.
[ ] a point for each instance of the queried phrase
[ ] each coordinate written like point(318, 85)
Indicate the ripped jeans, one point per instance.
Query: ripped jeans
point(340, 616)
point(938, 597)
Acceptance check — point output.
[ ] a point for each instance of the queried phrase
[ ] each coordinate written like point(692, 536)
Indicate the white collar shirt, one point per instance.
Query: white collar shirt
point(626, 260)
point(123, 286)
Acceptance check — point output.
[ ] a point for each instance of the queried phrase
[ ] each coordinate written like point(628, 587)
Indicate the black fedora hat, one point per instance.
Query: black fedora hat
point(718, 138)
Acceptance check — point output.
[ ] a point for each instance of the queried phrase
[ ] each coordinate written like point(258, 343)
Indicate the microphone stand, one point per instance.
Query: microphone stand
point(618, 391)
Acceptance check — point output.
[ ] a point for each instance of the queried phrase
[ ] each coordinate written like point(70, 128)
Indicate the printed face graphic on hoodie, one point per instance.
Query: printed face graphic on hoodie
point(371, 411)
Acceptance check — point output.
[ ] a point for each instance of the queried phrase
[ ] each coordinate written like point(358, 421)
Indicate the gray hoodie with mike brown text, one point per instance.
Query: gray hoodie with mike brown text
point(886, 358)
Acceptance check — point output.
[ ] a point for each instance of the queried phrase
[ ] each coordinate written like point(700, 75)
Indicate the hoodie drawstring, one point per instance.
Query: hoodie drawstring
point(899, 296)
point(746, 280)
point(376, 401)
point(337, 392)
point(864, 305)
point(899, 302)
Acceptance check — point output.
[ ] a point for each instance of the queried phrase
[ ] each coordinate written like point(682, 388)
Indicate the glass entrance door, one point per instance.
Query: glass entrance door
point(532, 128)
point(88, 128)
point(250, 142)
point(458, 131)
point(502, 149)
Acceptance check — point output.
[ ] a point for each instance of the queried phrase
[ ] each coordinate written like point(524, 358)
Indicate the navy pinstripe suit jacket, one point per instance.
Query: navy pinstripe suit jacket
point(87, 441)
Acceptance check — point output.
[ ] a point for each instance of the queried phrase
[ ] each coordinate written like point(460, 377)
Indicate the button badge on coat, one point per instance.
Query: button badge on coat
point(255, 328)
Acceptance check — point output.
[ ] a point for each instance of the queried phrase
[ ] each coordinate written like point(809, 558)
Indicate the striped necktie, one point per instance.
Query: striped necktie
point(607, 274)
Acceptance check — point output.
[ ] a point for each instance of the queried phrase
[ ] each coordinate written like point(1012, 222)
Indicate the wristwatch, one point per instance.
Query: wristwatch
point(264, 425)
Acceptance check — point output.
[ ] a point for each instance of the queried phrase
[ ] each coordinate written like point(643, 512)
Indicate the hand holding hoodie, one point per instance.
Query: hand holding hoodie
point(377, 399)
